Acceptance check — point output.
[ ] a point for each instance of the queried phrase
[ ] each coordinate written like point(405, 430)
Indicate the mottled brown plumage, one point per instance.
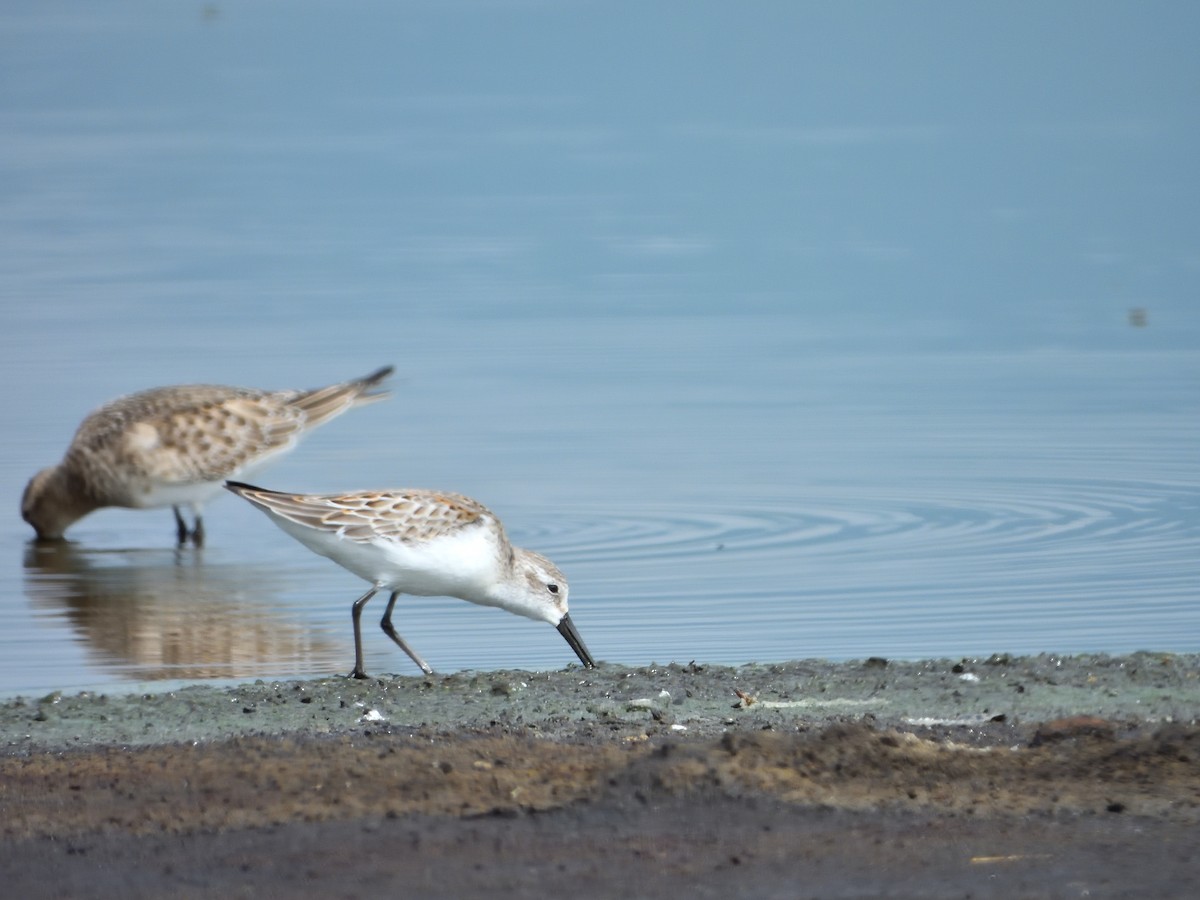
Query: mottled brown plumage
point(406, 515)
point(174, 446)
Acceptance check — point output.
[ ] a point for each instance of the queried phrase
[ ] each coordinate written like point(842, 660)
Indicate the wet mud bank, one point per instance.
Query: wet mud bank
point(1030, 776)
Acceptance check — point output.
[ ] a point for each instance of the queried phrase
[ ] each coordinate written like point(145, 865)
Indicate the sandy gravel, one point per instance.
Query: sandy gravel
point(1032, 776)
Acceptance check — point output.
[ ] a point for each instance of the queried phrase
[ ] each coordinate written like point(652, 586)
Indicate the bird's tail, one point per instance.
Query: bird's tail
point(323, 404)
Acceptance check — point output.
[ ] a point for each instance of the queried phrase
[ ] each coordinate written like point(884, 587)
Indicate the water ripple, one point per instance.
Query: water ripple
point(1014, 565)
point(1032, 518)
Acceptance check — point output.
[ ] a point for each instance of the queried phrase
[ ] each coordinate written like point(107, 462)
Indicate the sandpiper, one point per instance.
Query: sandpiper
point(422, 542)
point(175, 446)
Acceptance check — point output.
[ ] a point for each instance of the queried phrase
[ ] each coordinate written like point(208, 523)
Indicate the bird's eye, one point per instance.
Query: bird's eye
point(553, 588)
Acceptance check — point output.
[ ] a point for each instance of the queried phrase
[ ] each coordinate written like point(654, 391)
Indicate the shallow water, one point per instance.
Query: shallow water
point(764, 386)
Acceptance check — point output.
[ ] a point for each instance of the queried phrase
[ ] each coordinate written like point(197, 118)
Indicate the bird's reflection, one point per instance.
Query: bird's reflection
point(156, 614)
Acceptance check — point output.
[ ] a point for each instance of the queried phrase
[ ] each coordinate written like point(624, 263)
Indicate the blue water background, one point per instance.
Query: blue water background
point(791, 330)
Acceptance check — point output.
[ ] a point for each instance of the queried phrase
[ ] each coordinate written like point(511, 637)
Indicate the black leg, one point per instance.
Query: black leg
point(356, 615)
point(181, 529)
point(386, 624)
point(183, 534)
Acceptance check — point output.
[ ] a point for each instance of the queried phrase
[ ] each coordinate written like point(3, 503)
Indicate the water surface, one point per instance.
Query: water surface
point(818, 335)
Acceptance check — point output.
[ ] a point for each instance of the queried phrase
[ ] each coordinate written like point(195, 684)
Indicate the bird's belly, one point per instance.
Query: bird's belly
point(166, 485)
point(451, 567)
point(154, 494)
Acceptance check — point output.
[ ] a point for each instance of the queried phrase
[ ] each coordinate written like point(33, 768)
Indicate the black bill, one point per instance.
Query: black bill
point(567, 629)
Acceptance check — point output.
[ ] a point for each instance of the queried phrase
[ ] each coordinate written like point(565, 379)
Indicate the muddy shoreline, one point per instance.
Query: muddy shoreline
point(1038, 776)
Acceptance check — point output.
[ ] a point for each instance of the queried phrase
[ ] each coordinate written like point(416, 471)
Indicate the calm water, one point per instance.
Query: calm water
point(806, 336)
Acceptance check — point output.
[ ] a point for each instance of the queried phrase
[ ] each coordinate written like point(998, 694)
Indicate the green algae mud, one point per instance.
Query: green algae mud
point(988, 695)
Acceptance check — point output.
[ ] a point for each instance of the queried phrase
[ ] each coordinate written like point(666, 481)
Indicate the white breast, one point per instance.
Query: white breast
point(464, 563)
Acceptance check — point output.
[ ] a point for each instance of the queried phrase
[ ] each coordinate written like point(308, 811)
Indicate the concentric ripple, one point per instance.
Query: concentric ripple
point(1038, 518)
point(919, 570)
